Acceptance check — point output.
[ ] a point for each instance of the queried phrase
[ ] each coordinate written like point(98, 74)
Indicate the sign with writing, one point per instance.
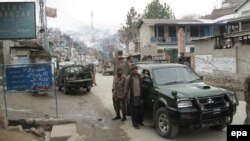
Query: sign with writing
point(17, 20)
point(37, 76)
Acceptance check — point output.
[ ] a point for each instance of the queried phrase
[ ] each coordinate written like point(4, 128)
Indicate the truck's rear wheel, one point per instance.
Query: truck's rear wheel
point(66, 90)
point(164, 124)
point(60, 88)
point(88, 88)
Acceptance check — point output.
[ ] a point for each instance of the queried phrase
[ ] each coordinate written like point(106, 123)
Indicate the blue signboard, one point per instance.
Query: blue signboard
point(17, 20)
point(33, 77)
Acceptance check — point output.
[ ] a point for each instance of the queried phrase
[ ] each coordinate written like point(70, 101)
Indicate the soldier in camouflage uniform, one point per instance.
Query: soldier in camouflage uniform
point(247, 99)
point(119, 95)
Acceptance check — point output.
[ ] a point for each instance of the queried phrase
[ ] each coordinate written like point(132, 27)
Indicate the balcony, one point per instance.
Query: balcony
point(246, 26)
point(170, 40)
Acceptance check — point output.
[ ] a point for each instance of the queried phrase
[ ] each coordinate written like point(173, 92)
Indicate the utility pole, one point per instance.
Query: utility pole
point(43, 30)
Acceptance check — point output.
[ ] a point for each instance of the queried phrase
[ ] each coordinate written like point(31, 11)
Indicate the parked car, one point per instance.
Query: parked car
point(175, 96)
point(74, 76)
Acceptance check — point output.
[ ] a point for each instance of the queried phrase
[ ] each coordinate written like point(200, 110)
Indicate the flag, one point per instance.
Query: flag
point(51, 12)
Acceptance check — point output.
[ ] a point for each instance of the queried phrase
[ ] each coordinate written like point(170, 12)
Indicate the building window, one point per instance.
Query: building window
point(234, 27)
point(161, 31)
point(222, 29)
point(172, 31)
point(204, 31)
point(245, 25)
point(194, 31)
point(191, 49)
point(159, 51)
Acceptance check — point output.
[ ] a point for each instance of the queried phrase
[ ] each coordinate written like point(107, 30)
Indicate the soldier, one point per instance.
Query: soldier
point(119, 94)
point(247, 99)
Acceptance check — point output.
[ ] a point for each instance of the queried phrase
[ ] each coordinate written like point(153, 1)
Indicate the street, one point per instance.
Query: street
point(94, 112)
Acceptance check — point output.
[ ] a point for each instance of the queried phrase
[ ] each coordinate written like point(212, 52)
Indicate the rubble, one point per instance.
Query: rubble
point(15, 128)
point(64, 132)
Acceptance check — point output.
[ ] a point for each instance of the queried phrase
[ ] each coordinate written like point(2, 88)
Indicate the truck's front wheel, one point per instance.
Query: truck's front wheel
point(218, 127)
point(164, 124)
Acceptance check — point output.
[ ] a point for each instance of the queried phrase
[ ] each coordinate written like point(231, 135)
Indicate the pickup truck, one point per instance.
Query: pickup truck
point(175, 96)
point(74, 76)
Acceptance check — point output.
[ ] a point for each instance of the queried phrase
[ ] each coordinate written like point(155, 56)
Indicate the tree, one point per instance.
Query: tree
point(155, 10)
point(130, 31)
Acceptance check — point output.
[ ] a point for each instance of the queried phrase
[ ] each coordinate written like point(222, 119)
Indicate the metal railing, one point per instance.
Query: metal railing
point(170, 40)
point(245, 27)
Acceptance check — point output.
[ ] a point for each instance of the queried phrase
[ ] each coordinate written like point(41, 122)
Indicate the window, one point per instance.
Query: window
point(172, 31)
point(204, 31)
point(145, 73)
point(191, 49)
point(234, 27)
point(222, 29)
point(194, 31)
point(246, 25)
point(159, 51)
point(174, 75)
point(160, 31)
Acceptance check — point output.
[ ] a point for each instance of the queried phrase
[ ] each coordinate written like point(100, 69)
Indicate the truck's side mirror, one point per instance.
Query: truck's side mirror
point(146, 80)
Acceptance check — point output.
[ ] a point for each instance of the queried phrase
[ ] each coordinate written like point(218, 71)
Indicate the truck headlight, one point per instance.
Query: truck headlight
point(232, 99)
point(184, 104)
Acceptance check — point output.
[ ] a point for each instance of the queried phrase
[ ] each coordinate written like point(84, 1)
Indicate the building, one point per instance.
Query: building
point(224, 59)
point(159, 37)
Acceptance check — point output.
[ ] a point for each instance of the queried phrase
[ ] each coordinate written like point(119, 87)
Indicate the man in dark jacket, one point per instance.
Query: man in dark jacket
point(133, 91)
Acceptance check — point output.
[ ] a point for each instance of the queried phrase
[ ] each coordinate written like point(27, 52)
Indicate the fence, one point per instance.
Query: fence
point(27, 80)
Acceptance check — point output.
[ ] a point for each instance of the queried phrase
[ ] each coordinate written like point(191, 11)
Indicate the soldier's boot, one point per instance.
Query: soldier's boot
point(124, 117)
point(117, 117)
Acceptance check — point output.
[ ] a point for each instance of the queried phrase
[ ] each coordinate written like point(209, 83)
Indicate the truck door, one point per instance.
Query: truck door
point(148, 92)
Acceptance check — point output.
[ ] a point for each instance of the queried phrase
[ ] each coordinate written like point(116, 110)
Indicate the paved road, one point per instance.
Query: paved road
point(148, 132)
point(94, 111)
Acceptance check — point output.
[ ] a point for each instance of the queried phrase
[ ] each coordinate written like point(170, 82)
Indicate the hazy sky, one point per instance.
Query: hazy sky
point(111, 13)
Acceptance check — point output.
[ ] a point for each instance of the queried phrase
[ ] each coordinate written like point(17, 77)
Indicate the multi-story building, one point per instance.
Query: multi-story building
point(159, 37)
point(224, 60)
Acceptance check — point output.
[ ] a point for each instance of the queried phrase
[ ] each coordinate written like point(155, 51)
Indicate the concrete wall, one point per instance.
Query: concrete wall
point(146, 48)
point(244, 10)
point(222, 67)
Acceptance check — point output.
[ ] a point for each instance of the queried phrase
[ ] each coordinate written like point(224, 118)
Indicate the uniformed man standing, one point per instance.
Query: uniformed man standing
point(247, 99)
point(119, 94)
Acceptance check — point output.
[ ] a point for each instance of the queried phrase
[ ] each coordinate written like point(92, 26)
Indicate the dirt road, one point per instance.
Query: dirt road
point(93, 118)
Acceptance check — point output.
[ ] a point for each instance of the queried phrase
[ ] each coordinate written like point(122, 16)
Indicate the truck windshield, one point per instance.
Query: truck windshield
point(74, 70)
point(174, 75)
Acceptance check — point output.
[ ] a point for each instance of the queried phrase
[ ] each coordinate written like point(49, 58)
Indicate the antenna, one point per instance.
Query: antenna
point(92, 24)
point(92, 28)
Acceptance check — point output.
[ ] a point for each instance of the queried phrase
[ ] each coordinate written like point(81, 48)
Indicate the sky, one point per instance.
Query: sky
point(112, 13)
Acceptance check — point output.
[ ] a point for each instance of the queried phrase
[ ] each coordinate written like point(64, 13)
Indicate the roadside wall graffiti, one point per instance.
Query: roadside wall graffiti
point(209, 64)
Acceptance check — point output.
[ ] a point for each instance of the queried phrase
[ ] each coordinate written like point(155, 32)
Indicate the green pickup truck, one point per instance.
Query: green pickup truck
point(175, 96)
point(74, 77)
